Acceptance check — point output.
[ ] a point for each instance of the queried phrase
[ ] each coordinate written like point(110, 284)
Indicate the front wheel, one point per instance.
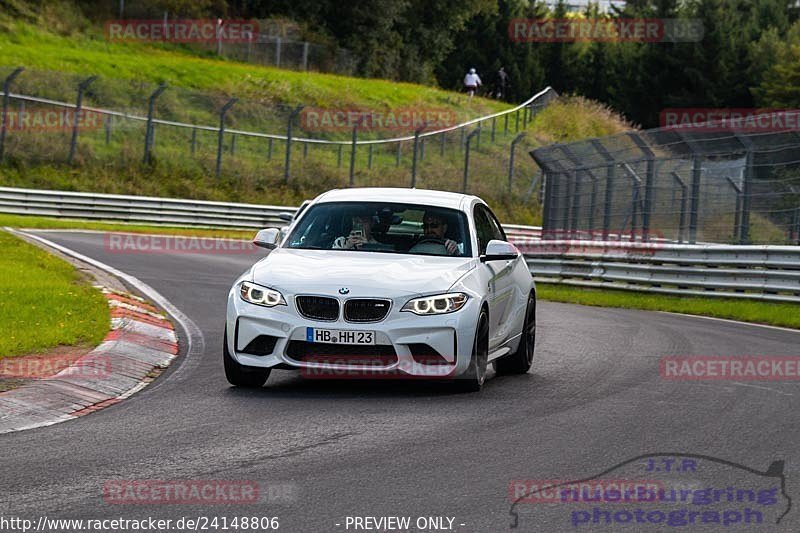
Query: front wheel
point(240, 375)
point(472, 380)
point(520, 361)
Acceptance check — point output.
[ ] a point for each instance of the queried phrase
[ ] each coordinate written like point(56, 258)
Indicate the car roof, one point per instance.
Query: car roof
point(452, 200)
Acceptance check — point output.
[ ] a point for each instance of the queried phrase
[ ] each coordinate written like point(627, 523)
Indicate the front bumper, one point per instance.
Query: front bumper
point(450, 335)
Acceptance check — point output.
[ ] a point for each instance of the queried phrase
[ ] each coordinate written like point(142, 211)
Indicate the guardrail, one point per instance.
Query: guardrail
point(769, 273)
point(139, 209)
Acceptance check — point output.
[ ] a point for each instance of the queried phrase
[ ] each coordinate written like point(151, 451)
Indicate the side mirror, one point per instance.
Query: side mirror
point(498, 250)
point(268, 238)
point(284, 215)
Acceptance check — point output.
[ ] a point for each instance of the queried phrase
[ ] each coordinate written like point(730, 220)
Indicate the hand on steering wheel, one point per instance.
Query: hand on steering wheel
point(450, 245)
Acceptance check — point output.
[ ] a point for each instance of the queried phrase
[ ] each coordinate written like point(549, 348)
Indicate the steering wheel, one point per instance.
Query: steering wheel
point(431, 240)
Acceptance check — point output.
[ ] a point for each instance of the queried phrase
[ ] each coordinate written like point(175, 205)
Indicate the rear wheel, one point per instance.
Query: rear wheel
point(520, 361)
point(241, 375)
point(472, 380)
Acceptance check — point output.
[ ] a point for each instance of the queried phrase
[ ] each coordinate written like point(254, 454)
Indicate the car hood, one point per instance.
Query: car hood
point(363, 273)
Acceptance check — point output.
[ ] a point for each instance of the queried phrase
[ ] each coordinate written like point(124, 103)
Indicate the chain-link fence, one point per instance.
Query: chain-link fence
point(709, 182)
point(124, 123)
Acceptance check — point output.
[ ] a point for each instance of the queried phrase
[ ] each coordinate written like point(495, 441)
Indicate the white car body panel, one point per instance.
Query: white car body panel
point(502, 286)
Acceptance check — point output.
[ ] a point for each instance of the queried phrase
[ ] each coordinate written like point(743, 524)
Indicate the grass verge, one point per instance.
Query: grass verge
point(44, 303)
point(770, 313)
point(35, 222)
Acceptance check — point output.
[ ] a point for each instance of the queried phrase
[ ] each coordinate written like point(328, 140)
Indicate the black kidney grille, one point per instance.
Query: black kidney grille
point(366, 310)
point(318, 307)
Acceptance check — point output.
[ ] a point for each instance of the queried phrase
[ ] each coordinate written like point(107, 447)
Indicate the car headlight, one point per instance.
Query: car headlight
point(258, 295)
point(436, 305)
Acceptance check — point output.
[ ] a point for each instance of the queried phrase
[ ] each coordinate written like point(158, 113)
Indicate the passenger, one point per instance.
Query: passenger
point(360, 235)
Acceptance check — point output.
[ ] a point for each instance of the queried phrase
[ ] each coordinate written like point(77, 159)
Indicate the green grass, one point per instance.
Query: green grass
point(36, 222)
point(771, 313)
point(44, 303)
point(28, 45)
point(59, 47)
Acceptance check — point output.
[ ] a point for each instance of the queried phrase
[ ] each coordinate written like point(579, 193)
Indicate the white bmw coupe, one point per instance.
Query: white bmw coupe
point(382, 282)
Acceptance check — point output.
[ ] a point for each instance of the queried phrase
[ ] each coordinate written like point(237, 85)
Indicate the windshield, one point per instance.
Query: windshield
point(382, 227)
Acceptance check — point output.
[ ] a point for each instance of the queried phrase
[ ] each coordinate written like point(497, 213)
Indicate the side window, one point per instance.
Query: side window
point(497, 229)
point(483, 228)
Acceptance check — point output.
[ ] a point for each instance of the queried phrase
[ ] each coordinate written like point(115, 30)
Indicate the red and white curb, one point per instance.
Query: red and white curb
point(141, 343)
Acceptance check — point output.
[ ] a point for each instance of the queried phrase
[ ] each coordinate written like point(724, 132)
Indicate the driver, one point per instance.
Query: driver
point(360, 234)
point(435, 227)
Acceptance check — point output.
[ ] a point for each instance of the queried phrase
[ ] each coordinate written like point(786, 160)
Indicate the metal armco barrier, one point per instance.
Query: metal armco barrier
point(769, 273)
point(139, 209)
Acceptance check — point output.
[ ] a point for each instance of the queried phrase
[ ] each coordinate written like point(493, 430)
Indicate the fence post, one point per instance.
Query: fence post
point(107, 127)
point(305, 56)
point(463, 138)
point(475, 132)
point(369, 157)
point(6, 89)
point(505, 127)
point(73, 144)
point(339, 156)
point(397, 160)
point(270, 142)
point(219, 37)
point(575, 204)
point(737, 212)
point(422, 150)
point(797, 226)
point(305, 149)
point(221, 135)
point(744, 228)
point(414, 156)
point(609, 194)
point(547, 210)
point(288, 163)
point(682, 219)
point(194, 140)
point(249, 46)
point(353, 145)
point(648, 184)
point(514, 143)
point(148, 131)
point(697, 172)
point(478, 138)
point(494, 124)
point(517, 126)
point(637, 183)
point(233, 144)
point(441, 146)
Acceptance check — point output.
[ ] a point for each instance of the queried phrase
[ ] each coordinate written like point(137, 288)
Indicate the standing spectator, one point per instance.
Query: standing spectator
point(471, 82)
point(502, 84)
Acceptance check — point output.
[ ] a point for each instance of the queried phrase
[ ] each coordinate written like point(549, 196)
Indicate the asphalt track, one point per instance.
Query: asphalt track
point(330, 450)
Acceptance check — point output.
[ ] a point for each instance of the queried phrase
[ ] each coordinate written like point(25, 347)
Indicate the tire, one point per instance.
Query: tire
point(472, 380)
point(520, 361)
point(240, 375)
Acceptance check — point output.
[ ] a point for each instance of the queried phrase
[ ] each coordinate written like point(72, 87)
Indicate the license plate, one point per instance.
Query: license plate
point(339, 336)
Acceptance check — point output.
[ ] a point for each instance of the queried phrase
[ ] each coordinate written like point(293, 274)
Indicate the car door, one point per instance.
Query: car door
point(500, 285)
